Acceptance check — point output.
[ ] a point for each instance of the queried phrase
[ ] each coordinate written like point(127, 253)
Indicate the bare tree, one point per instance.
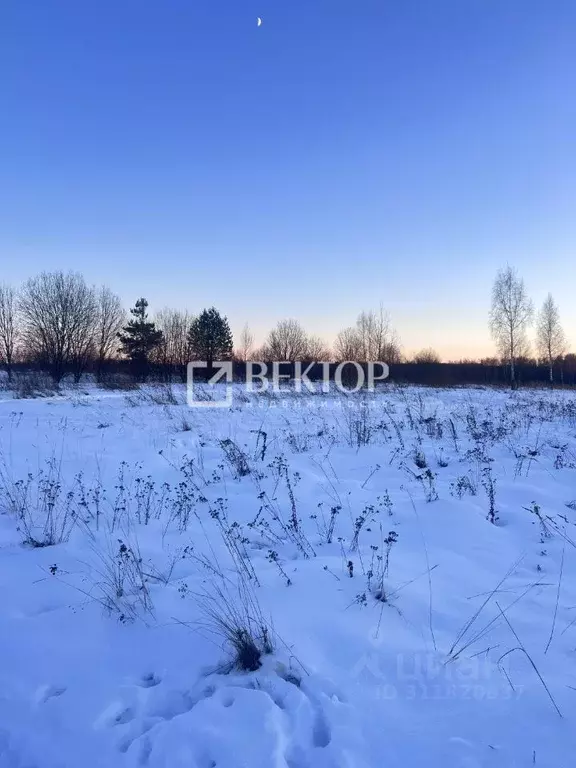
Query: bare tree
point(550, 336)
point(379, 340)
point(82, 338)
point(110, 317)
point(58, 319)
point(348, 345)
point(8, 328)
point(510, 317)
point(366, 325)
point(385, 340)
point(174, 350)
point(286, 342)
point(373, 338)
point(317, 350)
point(246, 344)
point(427, 356)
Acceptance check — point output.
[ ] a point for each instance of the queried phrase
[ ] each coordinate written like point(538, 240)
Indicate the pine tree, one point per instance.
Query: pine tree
point(210, 337)
point(138, 338)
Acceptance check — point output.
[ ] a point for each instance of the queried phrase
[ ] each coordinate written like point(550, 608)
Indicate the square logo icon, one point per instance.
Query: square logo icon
point(202, 395)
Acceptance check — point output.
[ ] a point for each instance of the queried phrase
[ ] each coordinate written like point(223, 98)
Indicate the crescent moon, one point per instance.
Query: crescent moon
point(259, 21)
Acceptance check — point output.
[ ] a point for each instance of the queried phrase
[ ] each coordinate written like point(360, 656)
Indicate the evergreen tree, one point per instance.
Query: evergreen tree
point(210, 337)
point(138, 338)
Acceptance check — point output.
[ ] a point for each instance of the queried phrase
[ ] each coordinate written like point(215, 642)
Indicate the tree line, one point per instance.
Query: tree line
point(60, 324)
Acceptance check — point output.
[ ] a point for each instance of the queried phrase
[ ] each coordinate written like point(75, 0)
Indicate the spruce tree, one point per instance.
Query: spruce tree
point(138, 338)
point(210, 337)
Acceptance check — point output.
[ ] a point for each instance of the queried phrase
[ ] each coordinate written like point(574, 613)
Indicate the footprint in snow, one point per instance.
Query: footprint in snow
point(227, 700)
point(321, 733)
point(149, 680)
point(116, 714)
point(46, 692)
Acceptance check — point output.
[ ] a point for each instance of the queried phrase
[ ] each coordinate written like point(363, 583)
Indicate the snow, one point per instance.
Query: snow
point(468, 662)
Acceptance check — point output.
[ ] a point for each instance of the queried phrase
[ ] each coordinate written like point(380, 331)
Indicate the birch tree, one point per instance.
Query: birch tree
point(246, 344)
point(510, 317)
point(550, 336)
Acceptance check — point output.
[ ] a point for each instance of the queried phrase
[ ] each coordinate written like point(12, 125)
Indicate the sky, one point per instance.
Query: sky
point(343, 154)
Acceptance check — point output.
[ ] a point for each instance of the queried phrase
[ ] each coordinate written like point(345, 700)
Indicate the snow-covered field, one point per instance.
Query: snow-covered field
point(399, 570)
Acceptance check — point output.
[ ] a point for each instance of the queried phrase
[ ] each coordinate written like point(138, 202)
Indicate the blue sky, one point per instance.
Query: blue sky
point(347, 152)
